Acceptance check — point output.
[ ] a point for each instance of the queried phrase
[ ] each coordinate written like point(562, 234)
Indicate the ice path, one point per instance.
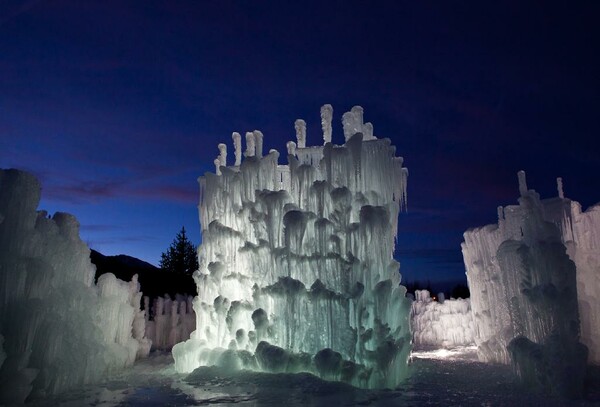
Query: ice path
point(434, 381)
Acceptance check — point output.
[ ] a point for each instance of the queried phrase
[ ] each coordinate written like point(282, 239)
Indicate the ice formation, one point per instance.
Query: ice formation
point(296, 268)
point(168, 321)
point(59, 329)
point(524, 274)
point(441, 324)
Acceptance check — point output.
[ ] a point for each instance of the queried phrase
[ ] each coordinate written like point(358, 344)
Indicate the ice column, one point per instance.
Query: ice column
point(223, 154)
point(291, 148)
point(300, 126)
point(237, 143)
point(250, 144)
point(258, 137)
point(559, 187)
point(522, 182)
point(326, 119)
point(296, 269)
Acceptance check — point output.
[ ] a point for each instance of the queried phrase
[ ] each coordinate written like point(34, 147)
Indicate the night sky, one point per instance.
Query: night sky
point(118, 106)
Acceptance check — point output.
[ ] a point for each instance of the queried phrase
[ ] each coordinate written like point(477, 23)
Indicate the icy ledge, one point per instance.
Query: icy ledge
point(296, 269)
point(59, 329)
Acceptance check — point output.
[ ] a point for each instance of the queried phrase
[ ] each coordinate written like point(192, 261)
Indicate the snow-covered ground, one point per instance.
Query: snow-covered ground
point(439, 377)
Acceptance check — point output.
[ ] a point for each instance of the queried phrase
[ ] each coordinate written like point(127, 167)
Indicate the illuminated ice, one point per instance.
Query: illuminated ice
point(170, 321)
point(523, 275)
point(442, 323)
point(59, 329)
point(296, 268)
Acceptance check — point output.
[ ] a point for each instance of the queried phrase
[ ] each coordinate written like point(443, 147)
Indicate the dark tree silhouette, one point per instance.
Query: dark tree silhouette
point(181, 257)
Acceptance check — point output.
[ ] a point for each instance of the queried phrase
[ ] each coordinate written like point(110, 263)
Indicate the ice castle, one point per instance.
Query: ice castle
point(296, 269)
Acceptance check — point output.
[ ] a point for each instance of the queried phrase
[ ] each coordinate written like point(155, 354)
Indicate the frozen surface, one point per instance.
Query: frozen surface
point(437, 378)
point(524, 290)
point(59, 330)
point(169, 321)
point(296, 268)
point(442, 323)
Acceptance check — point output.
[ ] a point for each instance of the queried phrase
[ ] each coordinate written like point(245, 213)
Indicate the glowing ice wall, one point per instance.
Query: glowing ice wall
point(170, 321)
point(442, 323)
point(296, 269)
point(524, 291)
point(60, 330)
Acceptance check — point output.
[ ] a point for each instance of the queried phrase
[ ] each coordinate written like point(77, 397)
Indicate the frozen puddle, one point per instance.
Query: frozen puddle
point(439, 378)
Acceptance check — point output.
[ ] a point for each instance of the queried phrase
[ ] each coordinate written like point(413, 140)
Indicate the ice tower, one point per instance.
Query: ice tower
point(296, 268)
point(524, 274)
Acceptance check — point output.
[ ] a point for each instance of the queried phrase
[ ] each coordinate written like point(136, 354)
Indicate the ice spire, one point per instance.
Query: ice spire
point(217, 166)
point(223, 154)
point(353, 122)
point(347, 121)
point(250, 144)
point(522, 182)
point(368, 131)
point(326, 118)
point(237, 144)
point(291, 148)
point(258, 137)
point(300, 126)
point(559, 187)
point(358, 113)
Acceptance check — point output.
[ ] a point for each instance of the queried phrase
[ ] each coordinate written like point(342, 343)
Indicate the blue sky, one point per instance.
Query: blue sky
point(118, 106)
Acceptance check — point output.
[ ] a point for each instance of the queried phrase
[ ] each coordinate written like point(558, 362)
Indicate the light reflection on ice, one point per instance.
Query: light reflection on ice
point(463, 352)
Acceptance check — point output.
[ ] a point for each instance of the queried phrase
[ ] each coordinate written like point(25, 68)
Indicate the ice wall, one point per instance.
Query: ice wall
point(60, 330)
point(442, 323)
point(296, 269)
point(169, 321)
point(524, 292)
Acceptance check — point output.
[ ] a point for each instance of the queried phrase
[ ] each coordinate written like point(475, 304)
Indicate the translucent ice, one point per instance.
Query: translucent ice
point(296, 268)
point(170, 321)
point(524, 274)
point(60, 330)
point(443, 323)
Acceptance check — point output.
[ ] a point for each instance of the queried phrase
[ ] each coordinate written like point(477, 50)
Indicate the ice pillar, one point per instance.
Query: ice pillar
point(258, 137)
point(300, 126)
point(223, 154)
point(522, 182)
point(559, 187)
point(326, 118)
point(250, 144)
point(237, 144)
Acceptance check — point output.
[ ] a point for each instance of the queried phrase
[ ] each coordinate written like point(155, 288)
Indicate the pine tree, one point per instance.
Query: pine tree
point(181, 257)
